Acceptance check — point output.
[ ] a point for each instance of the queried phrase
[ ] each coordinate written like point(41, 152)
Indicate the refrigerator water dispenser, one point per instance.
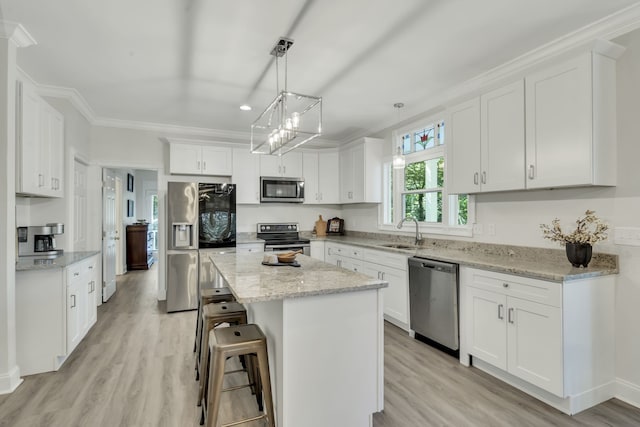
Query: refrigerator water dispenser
point(183, 234)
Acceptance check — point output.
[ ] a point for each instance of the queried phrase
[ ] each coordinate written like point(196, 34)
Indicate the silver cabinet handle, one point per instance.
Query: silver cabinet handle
point(532, 172)
point(382, 275)
point(484, 177)
point(511, 315)
point(73, 304)
point(500, 314)
point(198, 164)
point(475, 178)
point(317, 196)
point(204, 165)
point(91, 267)
point(40, 180)
point(378, 275)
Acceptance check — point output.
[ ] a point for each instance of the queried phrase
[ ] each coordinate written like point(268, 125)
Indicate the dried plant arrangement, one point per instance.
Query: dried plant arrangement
point(589, 230)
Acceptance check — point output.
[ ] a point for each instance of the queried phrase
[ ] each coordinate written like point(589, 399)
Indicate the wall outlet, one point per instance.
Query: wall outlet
point(628, 236)
point(477, 228)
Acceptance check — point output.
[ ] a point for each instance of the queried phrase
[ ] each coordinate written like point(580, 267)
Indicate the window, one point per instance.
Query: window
point(419, 190)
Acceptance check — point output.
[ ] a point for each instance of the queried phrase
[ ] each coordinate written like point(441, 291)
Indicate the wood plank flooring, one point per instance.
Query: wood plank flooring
point(135, 368)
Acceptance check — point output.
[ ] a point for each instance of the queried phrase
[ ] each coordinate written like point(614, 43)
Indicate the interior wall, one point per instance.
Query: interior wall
point(306, 215)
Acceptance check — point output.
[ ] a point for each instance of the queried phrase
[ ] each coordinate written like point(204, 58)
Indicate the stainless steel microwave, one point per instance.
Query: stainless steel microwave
point(281, 190)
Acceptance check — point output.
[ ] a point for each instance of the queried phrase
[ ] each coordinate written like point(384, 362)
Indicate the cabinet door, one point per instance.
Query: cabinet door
point(486, 326)
point(346, 176)
point(317, 249)
point(216, 161)
point(185, 159)
point(329, 177)
point(502, 142)
point(535, 344)
point(55, 131)
point(396, 295)
point(246, 176)
point(92, 284)
point(74, 314)
point(30, 179)
point(358, 166)
point(270, 165)
point(292, 164)
point(559, 125)
point(311, 178)
point(463, 163)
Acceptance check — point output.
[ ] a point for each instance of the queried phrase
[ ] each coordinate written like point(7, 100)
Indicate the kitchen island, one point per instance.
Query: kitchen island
point(324, 333)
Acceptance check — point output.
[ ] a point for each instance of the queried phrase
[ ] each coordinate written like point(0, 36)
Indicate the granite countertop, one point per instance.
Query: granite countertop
point(250, 281)
point(537, 263)
point(62, 261)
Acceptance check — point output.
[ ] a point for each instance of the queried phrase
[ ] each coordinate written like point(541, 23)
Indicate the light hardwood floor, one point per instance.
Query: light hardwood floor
point(135, 368)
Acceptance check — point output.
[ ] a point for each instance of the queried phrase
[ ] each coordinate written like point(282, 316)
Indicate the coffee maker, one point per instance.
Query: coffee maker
point(39, 241)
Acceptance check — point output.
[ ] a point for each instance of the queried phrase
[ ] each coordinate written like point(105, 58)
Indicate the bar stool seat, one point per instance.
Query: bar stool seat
point(208, 296)
point(213, 315)
point(242, 340)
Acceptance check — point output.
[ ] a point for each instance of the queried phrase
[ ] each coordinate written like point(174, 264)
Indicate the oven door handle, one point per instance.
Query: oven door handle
point(269, 246)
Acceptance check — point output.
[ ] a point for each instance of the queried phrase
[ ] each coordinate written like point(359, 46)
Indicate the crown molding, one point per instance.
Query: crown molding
point(17, 33)
point(70, 94)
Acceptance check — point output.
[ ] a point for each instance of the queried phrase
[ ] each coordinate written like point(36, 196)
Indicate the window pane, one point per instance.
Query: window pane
point(425, 207)
point(441, 133)
point(406, 144)
point(463, 200)
point(425, 174)
point(414, 176)
point(424, 139)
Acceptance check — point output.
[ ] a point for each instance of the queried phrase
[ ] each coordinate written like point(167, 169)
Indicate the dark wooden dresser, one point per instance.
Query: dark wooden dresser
point(139, 256)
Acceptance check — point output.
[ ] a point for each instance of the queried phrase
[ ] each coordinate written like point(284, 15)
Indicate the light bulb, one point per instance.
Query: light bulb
point(398, 160)
point(295, 119)
point(287, 124)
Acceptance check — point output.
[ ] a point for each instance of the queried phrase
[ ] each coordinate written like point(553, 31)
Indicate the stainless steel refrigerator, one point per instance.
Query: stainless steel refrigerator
point(198, 216)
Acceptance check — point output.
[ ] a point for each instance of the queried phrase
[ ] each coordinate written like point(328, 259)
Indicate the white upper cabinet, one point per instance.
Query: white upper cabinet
point(289, 165)
point(361, 172)
point(193, 159)
point(321, 177)
point(40, 145)
point(571, 125)
point(486, 146)
point(246, 176)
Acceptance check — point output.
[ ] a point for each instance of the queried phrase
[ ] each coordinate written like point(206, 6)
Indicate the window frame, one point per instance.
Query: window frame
point(392, 200)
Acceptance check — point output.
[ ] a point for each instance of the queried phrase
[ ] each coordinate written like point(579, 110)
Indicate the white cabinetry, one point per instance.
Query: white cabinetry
point(40, 145)
point(289, 165)
point(321, 177)
point(571, 123)
point(381, 265)
point(317, 249)
point(246, 176)
point(361, 172)
point(557, 337)
point(487, 148)
point(193, 159)
point(55, 308)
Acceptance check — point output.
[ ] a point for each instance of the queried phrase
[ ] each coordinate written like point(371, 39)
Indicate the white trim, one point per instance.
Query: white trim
point(16, 33)
point(628, 392)
point(10, 381)
point(70, 94)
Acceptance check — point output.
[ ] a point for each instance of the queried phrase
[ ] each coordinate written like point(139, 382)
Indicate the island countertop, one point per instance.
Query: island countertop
point(250, 281)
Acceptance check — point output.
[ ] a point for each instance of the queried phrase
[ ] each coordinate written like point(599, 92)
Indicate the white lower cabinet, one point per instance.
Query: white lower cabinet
point(55, 309)
point(381, 265)
point(317, 249)
point(552, 340)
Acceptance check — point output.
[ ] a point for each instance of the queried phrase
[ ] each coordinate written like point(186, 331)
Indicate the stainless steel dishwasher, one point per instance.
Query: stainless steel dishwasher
point(433, 301)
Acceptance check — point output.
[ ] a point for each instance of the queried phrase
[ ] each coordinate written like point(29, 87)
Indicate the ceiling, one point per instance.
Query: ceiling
point(192, 63)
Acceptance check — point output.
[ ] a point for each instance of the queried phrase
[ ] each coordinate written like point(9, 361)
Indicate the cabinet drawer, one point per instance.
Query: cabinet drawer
point(386, 258)
point(549, 293)
point(74, 271)
point(343, 250)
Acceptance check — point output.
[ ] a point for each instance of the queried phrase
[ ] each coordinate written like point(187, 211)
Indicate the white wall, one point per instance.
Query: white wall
point(305, 215)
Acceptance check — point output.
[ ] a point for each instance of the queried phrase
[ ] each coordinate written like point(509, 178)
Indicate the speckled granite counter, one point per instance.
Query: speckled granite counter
point(65, 260)
point(538, 263)
point(251, 281)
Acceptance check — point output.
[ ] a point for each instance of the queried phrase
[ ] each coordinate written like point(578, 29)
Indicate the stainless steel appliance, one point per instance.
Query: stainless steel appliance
point(433, 301)
point(39, 241)
point(198, 216)
point(281, 190)
point(283, 237)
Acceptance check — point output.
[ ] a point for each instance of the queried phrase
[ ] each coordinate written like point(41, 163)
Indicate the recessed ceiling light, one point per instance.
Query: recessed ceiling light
point(245, 107)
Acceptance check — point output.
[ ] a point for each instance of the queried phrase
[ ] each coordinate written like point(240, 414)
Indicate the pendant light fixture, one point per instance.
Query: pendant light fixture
point(291, 119)
point(398, 158)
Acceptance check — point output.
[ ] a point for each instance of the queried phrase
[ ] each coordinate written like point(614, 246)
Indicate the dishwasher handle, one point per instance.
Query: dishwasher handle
point(433, 264)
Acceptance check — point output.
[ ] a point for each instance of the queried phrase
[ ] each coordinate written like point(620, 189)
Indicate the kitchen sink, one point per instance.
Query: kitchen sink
point(399, 246)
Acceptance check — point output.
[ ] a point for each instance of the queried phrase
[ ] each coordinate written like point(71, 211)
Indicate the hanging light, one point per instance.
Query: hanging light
point(290, 120)
point(398, 158)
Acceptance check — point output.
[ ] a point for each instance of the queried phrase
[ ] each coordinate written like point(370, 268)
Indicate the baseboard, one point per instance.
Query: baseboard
point(396, 322)
point(628, 392)
point(10, 381)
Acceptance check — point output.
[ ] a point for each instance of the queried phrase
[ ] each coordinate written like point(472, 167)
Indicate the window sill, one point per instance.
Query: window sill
point(466, 231)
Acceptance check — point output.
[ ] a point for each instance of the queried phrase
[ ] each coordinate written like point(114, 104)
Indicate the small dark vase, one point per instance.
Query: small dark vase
point(579, 254)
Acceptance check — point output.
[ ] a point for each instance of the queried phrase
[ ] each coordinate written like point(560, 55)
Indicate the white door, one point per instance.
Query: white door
point(108, 233)
point(486, 326)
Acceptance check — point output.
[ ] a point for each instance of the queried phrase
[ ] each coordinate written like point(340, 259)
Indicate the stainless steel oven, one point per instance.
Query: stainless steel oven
point(281, 190)
point(282, 237)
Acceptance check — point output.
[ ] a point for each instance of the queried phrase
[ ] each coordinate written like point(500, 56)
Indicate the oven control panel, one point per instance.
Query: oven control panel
point(290, 227)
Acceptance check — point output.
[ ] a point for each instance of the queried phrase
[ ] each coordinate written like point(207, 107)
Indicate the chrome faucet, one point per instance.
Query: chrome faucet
point(418, 234)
